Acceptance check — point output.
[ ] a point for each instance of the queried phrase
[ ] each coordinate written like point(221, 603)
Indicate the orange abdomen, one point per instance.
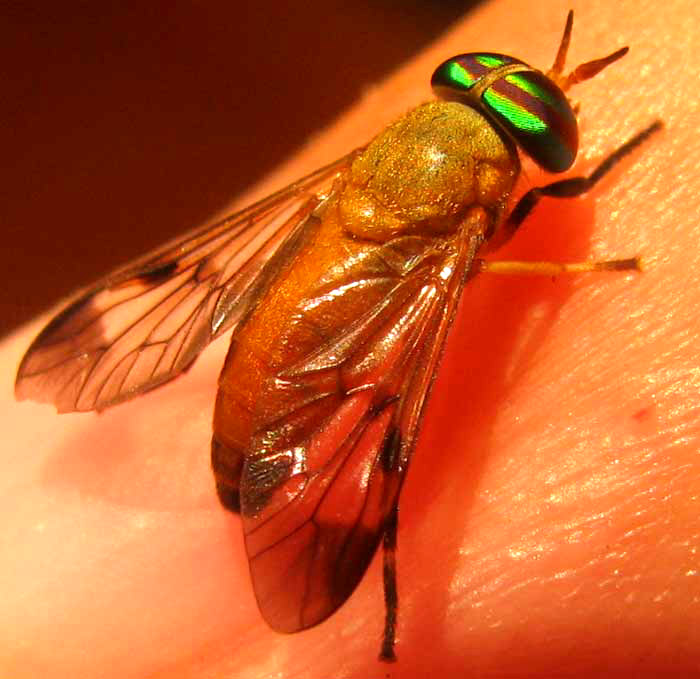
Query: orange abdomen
point(261, 405)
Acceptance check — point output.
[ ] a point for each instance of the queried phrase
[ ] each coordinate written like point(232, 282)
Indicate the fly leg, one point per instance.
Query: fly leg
point(566, 188)
point(555, 268)
point(391, 598)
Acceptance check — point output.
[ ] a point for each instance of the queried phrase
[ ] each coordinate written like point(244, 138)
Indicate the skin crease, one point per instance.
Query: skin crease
point(549, 523)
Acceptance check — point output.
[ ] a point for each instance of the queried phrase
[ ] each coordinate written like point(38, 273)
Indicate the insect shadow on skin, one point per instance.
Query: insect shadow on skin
point(340, 290)
point(503, 345)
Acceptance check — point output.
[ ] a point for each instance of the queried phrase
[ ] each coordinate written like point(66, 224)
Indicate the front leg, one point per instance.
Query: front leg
point(573, 186)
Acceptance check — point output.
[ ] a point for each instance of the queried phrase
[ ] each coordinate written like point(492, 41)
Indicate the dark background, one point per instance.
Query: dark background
point(122, 125)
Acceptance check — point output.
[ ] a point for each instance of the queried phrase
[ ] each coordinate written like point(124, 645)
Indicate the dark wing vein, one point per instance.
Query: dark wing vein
point(145, 325)
point(332, 475)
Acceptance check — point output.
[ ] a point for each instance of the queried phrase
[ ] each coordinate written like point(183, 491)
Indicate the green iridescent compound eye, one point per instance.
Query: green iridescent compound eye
point(525, 103)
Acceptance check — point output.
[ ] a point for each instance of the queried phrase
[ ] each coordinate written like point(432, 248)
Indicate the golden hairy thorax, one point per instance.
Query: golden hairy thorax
point(425, 170)
point(401, 205)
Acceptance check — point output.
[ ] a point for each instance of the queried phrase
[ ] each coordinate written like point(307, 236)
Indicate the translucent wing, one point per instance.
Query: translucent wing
point(314, 514)
point(145, 325)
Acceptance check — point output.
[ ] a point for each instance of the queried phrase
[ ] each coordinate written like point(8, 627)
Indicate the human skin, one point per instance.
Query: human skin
point(549, 522)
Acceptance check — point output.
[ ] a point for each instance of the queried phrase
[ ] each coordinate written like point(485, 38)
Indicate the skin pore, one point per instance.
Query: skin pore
point(549, 522)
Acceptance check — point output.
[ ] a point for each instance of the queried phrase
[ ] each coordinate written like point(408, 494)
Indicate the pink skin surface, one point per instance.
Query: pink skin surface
point(549, 521)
